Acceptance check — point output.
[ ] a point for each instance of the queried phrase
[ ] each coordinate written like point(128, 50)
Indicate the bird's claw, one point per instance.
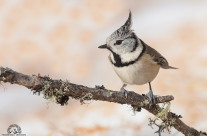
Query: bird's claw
point(124, 91)
point(151, 97)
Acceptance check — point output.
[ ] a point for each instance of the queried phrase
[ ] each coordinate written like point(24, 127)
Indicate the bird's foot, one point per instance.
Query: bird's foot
point(124, 91)
point(151, 97)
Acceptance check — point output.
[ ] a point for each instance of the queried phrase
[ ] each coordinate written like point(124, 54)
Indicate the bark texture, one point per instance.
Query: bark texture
point(60, 91)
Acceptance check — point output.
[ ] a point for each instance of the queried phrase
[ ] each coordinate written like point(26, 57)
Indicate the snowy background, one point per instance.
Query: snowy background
point(59, 38)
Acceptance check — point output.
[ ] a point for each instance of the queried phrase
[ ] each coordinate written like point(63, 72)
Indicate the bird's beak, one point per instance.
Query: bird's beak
point(103, 46)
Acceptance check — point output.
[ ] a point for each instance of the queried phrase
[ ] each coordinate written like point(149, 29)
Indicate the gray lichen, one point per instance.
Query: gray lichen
point(45, 88)
point(3, 78)
point(57, 95)
point(163, 113)
point(2, 71)
point(161, 116)
point(145, 102)
point(135, 109)
point(87, 96)
point(110, 93)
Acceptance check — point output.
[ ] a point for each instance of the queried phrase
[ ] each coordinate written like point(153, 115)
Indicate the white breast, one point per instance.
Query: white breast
point(139, 73)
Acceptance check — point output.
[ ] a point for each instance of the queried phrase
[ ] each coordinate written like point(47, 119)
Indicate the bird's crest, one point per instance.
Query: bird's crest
point(123, 30)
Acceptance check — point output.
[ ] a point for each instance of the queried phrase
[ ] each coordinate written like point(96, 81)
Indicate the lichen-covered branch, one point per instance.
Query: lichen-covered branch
point(60, 91)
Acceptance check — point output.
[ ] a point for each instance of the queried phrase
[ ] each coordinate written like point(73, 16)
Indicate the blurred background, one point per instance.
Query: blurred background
point(59, 38)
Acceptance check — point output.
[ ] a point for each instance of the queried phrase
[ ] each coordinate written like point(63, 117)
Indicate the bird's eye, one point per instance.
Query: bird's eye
point(118, 42)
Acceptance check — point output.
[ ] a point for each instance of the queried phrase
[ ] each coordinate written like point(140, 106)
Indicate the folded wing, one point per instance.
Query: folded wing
point(157, 57)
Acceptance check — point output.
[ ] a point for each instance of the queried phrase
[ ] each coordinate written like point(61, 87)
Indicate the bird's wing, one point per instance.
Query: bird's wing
point(157, 57)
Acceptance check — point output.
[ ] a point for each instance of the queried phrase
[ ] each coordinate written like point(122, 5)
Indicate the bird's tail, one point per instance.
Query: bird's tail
point(170, 67)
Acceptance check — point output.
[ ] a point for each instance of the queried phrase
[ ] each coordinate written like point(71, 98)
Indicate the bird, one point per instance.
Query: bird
point(135, 62)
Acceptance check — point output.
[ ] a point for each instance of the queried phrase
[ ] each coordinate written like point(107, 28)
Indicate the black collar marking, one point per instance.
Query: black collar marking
point(117, 58)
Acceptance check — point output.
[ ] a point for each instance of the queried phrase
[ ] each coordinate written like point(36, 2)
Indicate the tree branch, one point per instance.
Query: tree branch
point(60, 91)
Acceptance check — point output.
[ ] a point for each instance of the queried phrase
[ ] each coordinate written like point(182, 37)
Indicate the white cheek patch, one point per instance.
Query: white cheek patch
point(112, 58)
point(131, 56)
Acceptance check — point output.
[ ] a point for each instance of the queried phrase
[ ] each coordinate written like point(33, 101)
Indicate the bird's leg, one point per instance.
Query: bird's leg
point(150, 95)
point(123, 90)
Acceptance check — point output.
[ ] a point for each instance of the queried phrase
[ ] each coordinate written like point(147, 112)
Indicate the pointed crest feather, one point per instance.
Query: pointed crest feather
point(124, 29)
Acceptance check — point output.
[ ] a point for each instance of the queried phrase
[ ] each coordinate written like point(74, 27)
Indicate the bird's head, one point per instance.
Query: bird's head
point(123, 40)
